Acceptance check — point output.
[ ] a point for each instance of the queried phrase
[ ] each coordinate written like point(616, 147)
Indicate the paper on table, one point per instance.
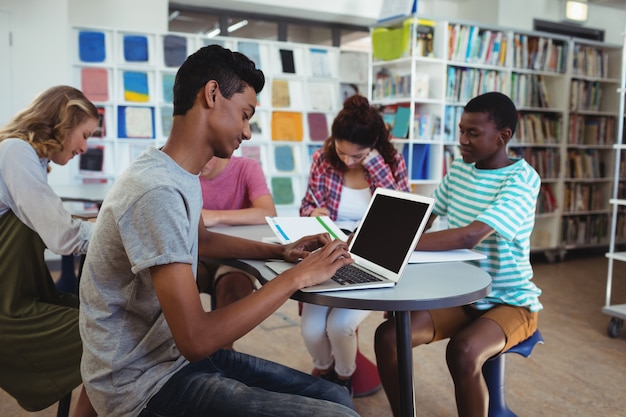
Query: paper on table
point(418, 257)
point(290, 229)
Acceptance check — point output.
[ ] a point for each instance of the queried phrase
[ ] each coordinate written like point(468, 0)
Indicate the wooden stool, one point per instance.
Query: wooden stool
point(493, 371)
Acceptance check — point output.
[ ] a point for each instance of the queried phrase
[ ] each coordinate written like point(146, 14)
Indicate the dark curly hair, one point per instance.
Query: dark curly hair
point(360, 123)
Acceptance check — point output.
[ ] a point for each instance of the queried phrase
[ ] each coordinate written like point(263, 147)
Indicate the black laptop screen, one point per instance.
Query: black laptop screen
point(388, 230)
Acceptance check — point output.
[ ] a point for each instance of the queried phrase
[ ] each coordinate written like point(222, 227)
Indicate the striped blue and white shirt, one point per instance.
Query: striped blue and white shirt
point(504, 199)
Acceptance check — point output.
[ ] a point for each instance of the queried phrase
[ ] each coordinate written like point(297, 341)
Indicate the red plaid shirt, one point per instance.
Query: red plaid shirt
point(326, 182)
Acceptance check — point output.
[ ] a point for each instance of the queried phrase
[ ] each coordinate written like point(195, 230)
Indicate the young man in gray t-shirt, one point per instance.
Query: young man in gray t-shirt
point(149, 347)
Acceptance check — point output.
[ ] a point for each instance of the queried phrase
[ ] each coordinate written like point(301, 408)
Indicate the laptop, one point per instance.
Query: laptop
point(382, 244)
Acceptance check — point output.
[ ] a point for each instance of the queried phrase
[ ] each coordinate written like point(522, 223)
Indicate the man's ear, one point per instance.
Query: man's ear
point(210, 93)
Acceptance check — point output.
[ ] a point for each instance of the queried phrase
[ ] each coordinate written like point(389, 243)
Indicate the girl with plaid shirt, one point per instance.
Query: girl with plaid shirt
point(356, 159)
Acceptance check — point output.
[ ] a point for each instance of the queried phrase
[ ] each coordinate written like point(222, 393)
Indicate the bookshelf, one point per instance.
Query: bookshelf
point(617, 230)
point(592, 132)
point(561, 87)
point(129, 76)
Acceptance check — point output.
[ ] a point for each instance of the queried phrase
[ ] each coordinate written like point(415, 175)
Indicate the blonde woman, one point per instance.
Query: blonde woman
point(40, 346)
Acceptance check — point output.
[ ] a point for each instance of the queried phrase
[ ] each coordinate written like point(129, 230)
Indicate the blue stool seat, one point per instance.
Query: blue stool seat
point(493, 371)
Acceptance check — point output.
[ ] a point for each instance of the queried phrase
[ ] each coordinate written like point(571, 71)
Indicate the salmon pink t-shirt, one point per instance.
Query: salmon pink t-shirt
point(241, 182)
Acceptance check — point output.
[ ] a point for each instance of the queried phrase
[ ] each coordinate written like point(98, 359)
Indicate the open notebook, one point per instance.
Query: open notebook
point(383, 243)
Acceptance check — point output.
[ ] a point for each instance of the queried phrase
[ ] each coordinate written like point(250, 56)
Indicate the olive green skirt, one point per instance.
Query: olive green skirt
point(40, 346)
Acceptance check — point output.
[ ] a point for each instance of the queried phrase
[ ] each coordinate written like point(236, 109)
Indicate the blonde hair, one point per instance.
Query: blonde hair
point(49, 119)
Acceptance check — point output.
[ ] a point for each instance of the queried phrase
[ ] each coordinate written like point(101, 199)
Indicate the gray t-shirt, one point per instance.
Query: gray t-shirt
point(150, 217)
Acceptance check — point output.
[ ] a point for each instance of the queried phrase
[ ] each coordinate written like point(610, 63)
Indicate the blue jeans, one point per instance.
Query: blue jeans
point(230, 383)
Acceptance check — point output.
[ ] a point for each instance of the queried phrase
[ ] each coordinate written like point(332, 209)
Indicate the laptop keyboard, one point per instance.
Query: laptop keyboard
point(350, 274)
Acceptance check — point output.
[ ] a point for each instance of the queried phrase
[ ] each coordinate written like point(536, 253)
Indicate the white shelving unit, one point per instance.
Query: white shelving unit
point(617, 312)
point(538, 71)
point(130, 77)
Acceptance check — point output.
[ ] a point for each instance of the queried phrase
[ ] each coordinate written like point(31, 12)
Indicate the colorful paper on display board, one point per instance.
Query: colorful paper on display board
point(136, 86)
point(251, 50)
point(174, 50)
point(94, 83)
point(287, 60)
point(166, 121)
point(284, 159)
point(135, 122)
point(168, 87)
point(318, 126)
point(282, 190)
point(253, 152)
point(91, 46)
point(135, 48)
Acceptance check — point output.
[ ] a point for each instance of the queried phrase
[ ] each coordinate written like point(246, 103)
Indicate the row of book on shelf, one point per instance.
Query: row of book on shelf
point(529, 90)
point(426, 125)
point(474, 45)
point(465, 83)
point(388, 85)
point(538, 128)
point(546, 161)
point(539, 53)
point(590, 61)
point(532, 128)
point(581, 197)
point(591, 130)
point(585, 164)
point(586, 230)
point(585, 95)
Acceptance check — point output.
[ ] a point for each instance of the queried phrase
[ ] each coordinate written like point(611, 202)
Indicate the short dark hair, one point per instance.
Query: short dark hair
point(232, 71)
point(499, 107)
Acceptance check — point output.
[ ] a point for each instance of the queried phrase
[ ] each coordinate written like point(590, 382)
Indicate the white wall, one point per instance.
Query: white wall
point(139, 15)
point(6, 68)
point(40, 38)
point(39, 47)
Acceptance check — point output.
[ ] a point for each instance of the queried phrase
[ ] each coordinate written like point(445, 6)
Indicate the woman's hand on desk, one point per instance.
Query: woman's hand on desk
point(320, 265)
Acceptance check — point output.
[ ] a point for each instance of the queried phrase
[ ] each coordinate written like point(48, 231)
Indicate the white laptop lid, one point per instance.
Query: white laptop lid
point(387, 235)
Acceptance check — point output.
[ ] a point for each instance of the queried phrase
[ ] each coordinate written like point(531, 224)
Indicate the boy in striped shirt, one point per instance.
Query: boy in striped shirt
point(489, 200)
